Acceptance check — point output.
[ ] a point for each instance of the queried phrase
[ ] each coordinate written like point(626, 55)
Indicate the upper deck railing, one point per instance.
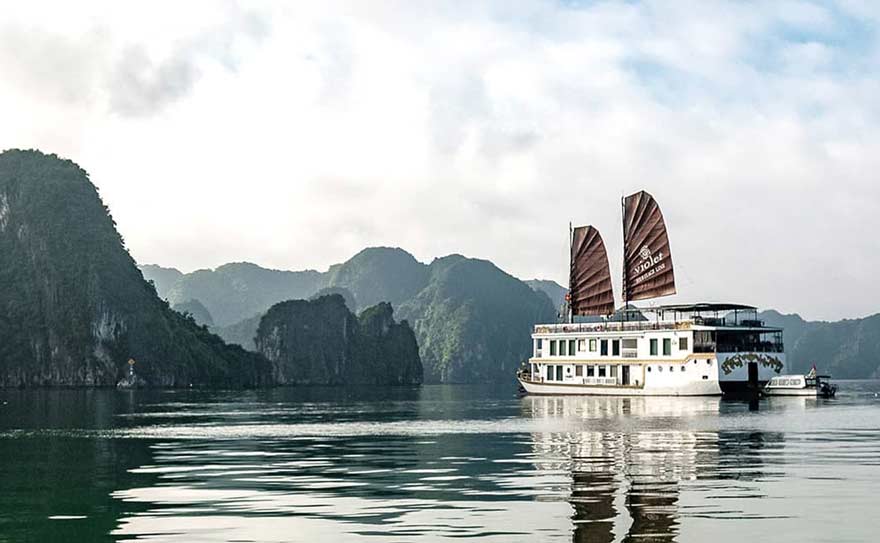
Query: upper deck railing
point(639, 326)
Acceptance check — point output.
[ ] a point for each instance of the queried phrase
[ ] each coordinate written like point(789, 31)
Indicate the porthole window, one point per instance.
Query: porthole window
point(649, 369)
point(683, 367)
point(708, 362)
point(671, 368)
point(659, 368)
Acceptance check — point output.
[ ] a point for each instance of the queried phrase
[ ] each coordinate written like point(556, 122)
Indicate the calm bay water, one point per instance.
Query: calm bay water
point(439, 463)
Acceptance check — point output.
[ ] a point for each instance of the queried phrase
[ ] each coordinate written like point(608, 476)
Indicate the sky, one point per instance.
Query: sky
point(294, 134)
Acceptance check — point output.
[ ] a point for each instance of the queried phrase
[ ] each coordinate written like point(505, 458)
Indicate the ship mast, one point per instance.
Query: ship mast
point(625, 247)
point(568, 310)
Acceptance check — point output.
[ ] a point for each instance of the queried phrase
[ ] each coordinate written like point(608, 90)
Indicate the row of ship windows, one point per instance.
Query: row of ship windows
point(566, 347)
point(599, 371)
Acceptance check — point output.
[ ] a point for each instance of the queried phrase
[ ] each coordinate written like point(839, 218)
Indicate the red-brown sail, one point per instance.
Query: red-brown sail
point(647, 261)
point(590, 291)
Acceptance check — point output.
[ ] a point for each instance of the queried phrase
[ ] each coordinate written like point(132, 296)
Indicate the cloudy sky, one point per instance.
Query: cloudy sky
point(293, 135)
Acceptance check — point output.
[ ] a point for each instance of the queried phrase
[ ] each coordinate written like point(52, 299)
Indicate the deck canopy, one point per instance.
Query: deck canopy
point(712, 313)
point(705, 307)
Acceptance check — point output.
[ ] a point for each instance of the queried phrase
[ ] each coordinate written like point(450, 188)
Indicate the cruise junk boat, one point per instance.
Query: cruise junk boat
point(704, 349)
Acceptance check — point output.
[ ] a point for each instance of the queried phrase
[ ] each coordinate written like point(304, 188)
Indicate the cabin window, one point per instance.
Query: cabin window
point(568, 370)
point(682, 367)
point(579, 371)
point(671, 368)
point(659, 368)
point(582, 345)
point(571, 347)
point(653, 347)
point(667, 346)
point(603, 347)
point(601, 371)
point(592, 345)
point(559, 373)
point(649, 369)
point(630, 343)
point(613, 371)
point(562, 348)
point(549, 373)
point(591, 371)
point(682, 344)
point(538, 344)
point(615, 347)
point(552, 348)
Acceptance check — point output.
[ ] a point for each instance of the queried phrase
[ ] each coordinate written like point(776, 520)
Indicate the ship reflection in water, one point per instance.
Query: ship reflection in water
point(626, 482)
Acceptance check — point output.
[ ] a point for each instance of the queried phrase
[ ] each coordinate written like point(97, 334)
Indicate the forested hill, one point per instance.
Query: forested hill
point(74, 307)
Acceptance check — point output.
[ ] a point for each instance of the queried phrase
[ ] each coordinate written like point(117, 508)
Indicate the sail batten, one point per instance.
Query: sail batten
point(647, 260)
point(590, 290)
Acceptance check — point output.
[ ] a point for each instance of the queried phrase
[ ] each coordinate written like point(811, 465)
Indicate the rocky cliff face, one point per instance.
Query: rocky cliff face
point(321, 342)
point(74, 308)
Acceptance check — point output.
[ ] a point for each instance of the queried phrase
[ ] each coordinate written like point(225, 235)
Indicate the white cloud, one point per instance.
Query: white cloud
point(293, 135)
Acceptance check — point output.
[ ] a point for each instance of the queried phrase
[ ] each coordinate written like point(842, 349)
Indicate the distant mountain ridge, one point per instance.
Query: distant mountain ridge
point(848, 349)
point(465, 333)
point(552, 289)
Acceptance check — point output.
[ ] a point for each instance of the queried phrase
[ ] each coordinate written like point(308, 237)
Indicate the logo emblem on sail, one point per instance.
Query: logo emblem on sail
point(647, 260)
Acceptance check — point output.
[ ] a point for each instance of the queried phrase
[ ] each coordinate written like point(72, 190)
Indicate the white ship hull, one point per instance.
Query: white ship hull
point(701, 388)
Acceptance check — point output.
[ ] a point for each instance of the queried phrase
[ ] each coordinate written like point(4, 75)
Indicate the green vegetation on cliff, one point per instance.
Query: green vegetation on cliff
point(74, 308)
point(321, 342)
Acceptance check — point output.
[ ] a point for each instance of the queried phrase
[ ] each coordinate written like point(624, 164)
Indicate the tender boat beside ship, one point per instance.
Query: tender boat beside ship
point(704, 349)
point(811, 385)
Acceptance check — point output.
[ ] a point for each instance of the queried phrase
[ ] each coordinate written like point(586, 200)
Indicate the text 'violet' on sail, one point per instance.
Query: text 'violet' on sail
point(647, 260)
